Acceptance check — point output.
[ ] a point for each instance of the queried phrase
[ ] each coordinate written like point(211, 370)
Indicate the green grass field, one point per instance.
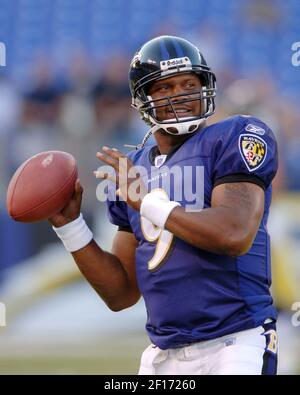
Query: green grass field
point(102, 357)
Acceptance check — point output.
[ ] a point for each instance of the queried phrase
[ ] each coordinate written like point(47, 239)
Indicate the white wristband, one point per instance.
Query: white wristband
point(156, 207)
point(74, 235)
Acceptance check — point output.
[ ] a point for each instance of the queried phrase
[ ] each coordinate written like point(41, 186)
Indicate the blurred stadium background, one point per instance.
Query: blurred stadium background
point(65, 87)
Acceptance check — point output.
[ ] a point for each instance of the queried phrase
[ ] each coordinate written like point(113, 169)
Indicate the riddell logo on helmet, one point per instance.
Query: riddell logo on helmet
point(168, 66)
point(175, 62)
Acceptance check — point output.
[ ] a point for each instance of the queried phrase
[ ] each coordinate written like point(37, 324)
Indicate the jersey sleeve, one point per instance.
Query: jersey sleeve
point(246, 152)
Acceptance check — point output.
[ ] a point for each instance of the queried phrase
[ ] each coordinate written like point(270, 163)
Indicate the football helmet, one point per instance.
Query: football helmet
point(164, 57)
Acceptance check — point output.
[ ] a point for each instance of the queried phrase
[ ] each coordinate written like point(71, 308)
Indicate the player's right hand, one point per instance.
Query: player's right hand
point(123, 166)
point(71, 211)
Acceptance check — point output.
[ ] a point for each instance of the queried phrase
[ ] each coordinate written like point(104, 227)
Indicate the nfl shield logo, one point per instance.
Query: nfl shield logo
point(160, 160)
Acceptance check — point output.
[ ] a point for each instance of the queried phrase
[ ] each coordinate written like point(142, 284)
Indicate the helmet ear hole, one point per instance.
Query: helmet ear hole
point(172, 130)
point(192, 128)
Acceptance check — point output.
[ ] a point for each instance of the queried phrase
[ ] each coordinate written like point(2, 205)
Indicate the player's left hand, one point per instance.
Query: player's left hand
point(130, 185)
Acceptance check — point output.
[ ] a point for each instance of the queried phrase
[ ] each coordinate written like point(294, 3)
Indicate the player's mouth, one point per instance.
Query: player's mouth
point(180, 112)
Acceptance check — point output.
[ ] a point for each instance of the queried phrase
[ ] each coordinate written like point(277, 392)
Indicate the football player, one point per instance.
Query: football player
point(202, 264)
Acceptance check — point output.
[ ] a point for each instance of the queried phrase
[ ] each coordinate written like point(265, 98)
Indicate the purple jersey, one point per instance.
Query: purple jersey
point(191, 294)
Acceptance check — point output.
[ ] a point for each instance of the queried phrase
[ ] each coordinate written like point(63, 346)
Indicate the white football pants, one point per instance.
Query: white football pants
point(250, 352)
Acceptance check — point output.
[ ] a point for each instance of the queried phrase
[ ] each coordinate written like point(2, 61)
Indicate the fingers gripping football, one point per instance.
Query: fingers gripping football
point(72, 210)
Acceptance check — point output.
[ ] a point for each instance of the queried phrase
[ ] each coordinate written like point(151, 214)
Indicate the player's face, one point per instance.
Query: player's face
point(177, 85)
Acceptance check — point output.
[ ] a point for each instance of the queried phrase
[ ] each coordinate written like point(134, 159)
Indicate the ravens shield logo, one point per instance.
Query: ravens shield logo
point(253, 150)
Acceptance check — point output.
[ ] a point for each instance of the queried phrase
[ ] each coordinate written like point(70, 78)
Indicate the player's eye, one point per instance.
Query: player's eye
point(162, 88)
point(190, 85)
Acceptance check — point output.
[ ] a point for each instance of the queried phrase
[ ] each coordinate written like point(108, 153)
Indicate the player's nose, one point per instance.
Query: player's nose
point(177, 90)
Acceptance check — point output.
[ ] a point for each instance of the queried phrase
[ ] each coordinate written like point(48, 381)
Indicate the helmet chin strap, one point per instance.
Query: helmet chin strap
point(143, 143)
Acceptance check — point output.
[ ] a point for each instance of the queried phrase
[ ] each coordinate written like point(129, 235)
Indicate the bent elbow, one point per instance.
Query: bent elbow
point(116, 307)
point(238, 245)
point(238, 250)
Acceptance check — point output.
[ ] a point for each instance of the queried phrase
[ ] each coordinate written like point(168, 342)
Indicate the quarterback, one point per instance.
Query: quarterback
point(202, 265)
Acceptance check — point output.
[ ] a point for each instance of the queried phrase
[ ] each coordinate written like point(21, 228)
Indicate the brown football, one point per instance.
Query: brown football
point(41, 186)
